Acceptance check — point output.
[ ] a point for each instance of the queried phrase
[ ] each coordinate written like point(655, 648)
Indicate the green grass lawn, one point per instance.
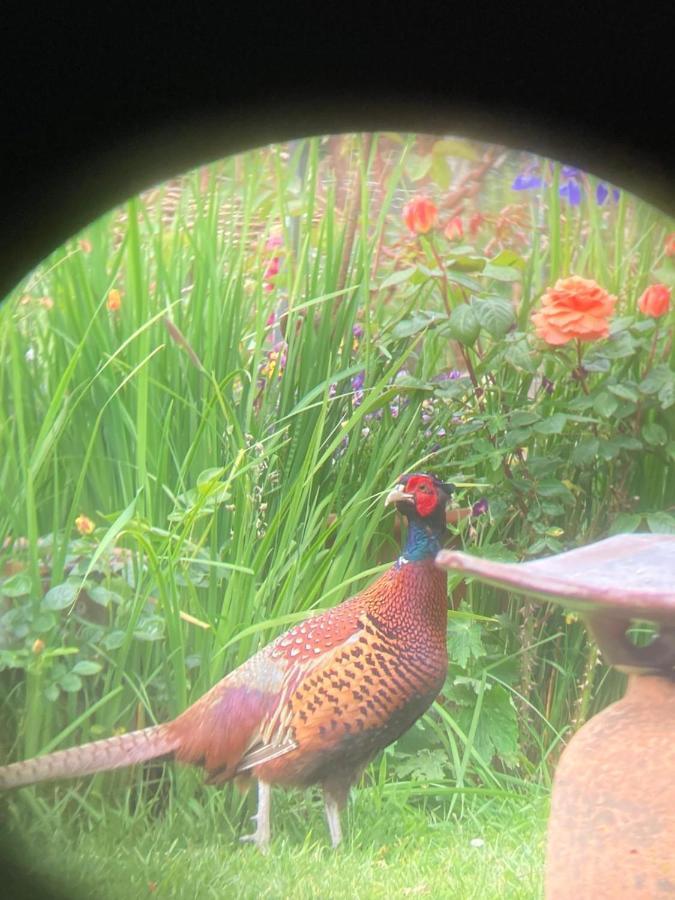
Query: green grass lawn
point(391, 852)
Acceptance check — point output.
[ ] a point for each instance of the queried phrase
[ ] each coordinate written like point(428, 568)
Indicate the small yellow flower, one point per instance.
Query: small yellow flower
point(114, 300)
point(84, 525)
point(38, 646)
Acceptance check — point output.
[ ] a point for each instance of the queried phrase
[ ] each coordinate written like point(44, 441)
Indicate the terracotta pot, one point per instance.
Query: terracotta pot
point(612, 825)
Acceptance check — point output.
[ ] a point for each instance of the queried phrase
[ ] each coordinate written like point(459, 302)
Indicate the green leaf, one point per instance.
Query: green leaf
point(625, 523)
point(624, 391)
point(551, 488)
point(497, 728)
point(71, 683)
point(655, 435)
point(465, 262)
point(113, 640)
point(418, 166)
point(440, 171)
point(51, 692)
point(522, 357)
point(501, 273)
point(554, 424)
point(398, 277)
point(620, 346)
point(657, 379)
point(426, 765)
point(61, 596)
point(419, 320)
point(17, 585)
point(661, 523)
point(463, 324)
point(87, 667)
point(522, 417)
point(508, 258)
point(495, 314)
point(605, 405)
point(585, 452)
point(464, 641)
point(102, 595)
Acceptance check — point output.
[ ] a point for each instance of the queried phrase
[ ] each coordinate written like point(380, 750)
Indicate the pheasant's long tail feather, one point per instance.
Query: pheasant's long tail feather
point(99, 756)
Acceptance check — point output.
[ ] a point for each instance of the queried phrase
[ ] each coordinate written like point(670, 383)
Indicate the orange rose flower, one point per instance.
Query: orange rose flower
point(454, 230)
point(655, 301)
point(575, 309)
point(669, 246)
point(420, 215)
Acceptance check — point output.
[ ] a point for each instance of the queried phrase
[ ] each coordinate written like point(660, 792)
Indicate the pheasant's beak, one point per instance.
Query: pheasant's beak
point(398, 495)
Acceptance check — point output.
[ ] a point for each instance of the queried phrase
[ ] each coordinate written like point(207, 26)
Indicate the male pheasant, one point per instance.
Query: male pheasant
point(318, 703)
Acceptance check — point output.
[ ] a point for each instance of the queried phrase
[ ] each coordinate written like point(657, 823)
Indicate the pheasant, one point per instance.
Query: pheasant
point(318, 703)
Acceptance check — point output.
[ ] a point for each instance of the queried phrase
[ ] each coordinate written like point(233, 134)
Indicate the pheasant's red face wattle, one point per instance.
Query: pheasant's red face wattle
point(424, 492)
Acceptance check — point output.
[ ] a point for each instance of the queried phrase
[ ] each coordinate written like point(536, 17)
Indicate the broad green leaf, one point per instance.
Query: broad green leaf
point(398, 277)
point(465, 262)
point(624, 391)
point(625, 523)
point(61, 596)
point(508, 258)
point(655, 435)
point(501, 273)
point(71, 683)
point(17, 585)
point(585, 452)
point(87, 667)
point(464, 641)
point(605, 405)
point(661, 523)
point(554, 424)
point(495, 314)
point(659, 376)
point(463, 324)
point(522, 417)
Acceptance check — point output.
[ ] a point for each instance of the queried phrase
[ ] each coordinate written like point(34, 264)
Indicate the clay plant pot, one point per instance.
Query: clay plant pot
point(611, 831)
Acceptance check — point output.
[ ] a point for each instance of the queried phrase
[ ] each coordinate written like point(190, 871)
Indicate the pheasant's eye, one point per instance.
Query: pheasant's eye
point(423, 488)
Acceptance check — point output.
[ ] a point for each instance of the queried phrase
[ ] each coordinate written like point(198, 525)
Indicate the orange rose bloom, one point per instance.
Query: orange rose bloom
point(669, 246)
point(454, 230)
point(576, 308)
point(420, 215)
point(655, 301)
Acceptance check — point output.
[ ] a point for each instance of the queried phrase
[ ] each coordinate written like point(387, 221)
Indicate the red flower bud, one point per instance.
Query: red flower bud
point(655, 301)
point(420, 215)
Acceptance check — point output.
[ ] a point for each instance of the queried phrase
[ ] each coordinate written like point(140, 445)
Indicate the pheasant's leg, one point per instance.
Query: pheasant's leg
point(333, 816)
point(261, 835)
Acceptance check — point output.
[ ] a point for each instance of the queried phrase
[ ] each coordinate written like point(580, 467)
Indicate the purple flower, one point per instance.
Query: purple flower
point(602, 192)
point(479, 508)
point(547, 385)
point(332, 390)
point(447, 376)
point(525, 182)
point(441, 432)
point(572, 191)
point(358, 380)
point(357, 331)
point(393, 409)
point(570, 172)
